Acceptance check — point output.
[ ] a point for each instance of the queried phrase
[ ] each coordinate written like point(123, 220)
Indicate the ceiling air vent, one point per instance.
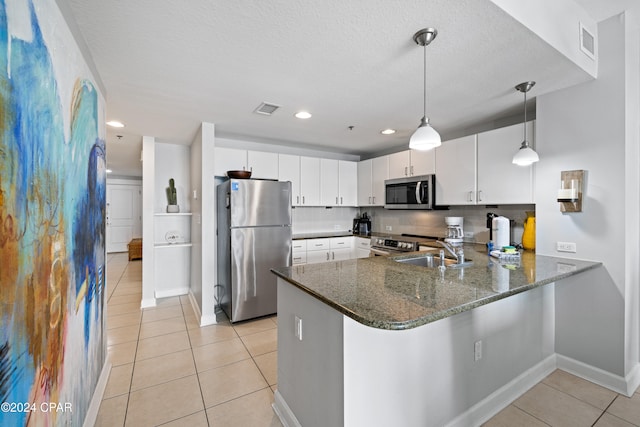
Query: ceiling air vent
point(266, 108)
point(587, 42)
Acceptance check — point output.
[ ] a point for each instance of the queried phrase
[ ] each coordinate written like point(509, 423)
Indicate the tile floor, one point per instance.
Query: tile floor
point(168, 371)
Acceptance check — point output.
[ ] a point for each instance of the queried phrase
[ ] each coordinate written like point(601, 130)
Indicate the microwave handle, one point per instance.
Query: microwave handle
point(422, 192)
point(419, 192)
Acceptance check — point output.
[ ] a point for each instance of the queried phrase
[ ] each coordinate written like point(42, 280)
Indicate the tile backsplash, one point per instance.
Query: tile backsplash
point(320, 219)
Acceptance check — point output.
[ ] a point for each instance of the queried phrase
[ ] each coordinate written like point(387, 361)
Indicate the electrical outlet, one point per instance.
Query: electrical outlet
point(566, 247)
point(468, 234)
point(388, 228)
point(477, 350)
point(298, 328)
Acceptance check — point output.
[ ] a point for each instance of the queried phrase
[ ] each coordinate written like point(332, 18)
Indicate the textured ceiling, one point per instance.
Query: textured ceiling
point(169, 65)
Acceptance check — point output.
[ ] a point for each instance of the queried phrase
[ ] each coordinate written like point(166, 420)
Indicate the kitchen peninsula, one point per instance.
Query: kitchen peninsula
point(376, 342)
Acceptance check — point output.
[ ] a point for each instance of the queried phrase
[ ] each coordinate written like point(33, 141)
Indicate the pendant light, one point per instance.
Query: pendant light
point(425, 137)
point(525, 155)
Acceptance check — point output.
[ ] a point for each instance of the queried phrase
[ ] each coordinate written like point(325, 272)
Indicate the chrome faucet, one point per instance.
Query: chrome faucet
point(456, 251)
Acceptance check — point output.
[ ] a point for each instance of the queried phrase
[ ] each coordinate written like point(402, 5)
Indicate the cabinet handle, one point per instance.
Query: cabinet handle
point(251, 168)
point(411, 169)
point(470, 196)
point(369, 199)
point(405, 171)
point(327, 256)
point(374, 200)
point(340, 199)
point(336, 200)
point(480, 195)
point(333, 255)
point(303, 200)
point(297, 200)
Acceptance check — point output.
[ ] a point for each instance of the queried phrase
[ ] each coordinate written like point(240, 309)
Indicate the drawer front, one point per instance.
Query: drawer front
point(363, 243)
point(318, 244)
point(341, 242)
point(299, 246)
point(299, 258)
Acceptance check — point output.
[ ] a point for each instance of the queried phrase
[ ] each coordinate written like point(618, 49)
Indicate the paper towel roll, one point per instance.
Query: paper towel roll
point(501, 232)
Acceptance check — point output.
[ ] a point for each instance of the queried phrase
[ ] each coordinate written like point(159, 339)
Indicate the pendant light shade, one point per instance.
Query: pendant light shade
point(425, 137)
point(525, 155)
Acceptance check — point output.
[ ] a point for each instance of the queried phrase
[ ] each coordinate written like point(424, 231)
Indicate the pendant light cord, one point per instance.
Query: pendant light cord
point(525, 118)
point(424, 98)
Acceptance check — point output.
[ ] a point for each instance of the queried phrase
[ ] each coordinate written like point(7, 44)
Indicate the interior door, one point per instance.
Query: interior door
point(123, 216)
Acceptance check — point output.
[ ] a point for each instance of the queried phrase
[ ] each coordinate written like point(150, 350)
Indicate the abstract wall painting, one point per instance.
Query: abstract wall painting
point(52, 228)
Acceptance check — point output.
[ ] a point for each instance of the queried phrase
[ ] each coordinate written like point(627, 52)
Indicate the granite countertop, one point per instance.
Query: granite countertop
point(386, 294)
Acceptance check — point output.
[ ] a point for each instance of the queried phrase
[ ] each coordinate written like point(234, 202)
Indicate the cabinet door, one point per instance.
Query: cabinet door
point(365, 191)
point(399, 164)
point(379, 173)
point(340, 254)
point(309, 181)
point(422, 162)
point(347, 183)
point(289, 170)
point(456, 172)
point(499, 180)
point(228, 159)
point(262, 164)
point(314, 257)
point(329, 182)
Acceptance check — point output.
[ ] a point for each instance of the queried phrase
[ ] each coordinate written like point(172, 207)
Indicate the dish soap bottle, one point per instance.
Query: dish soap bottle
point(529, 233)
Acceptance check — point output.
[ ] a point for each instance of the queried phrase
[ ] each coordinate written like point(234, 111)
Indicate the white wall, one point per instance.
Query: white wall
point(319, 219)
point(584, 127)
point(172, 161)
point(196, 223)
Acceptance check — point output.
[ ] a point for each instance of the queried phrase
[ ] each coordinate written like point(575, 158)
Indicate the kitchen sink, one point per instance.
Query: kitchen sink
point(432, 261)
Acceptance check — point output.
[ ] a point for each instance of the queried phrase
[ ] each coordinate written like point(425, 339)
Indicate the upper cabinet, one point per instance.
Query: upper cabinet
point(289, 170)
point(261, 164)
point(371, 176)
point(338, 183)
point(304, 174)
point(411, 163)
point(478, 169)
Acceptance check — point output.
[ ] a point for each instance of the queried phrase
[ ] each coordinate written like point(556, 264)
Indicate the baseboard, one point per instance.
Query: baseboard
point(282, 410)
point(204, 320)
point(173, 292)
point(147, 303)
point(501, 398)
point(94, 406)
point(623, 385)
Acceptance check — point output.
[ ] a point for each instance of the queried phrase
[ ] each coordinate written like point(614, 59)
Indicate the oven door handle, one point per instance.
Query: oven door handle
point(378, 252)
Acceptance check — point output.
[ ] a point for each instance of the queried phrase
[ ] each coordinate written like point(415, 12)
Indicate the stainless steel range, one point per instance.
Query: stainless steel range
point(386, 246)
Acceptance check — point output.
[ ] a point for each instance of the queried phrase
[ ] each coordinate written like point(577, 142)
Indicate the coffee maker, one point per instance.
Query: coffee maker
point(362, 225)
point(455, 234)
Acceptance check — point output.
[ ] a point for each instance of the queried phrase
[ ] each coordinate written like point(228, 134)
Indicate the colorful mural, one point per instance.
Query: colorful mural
point(52, 231)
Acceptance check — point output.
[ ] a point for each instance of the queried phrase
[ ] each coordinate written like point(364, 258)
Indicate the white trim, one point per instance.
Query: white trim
point(623, 385)
point(94, 406)
point(204, 320)
point(147, 303)
point(505, 395)
point(172, 292)
point(284, 413)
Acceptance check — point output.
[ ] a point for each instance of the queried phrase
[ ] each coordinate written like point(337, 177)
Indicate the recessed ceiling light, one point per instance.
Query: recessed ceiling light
point(303, 115)
point(109, 171)
point(388, 131)
point(115, 124)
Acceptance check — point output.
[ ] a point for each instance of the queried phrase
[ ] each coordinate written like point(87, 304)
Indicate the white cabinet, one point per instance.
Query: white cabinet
point(299, 252)
point(341, 248)
point(412, 163)
point(456, 170)
point(311, 251)
point(309, 181)
point(289, 170)
point(478, 169)
point(318, 250)
point(172, 247)
point(371, 176)
point(499, 180)
point(362, 247)
point(338, 183)
point(261, 164)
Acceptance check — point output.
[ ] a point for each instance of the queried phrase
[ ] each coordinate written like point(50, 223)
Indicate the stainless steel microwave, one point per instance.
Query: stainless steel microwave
point(413, 192)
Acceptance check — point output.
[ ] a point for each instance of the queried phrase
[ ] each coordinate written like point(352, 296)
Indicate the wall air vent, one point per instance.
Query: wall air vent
point(587, 42)
point(266, 108)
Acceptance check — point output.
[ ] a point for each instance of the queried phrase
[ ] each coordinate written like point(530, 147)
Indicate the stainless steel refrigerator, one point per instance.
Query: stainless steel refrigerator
point(254, 235)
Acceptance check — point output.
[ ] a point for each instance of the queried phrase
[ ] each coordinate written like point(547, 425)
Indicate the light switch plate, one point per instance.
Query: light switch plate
point(566, 247)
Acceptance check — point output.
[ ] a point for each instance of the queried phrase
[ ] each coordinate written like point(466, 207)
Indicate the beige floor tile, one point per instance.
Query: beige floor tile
point(219, 354)
point(123, 334)
point(273, 388)
point(190, 318)
point(162, 327)
point(230, 382)
point(163, 344)
point(112, 412)
point(131, 307)
point(584, 390)
point(261, 342)
point(251, 410)
point(119, 381)
point(126, 299)
point(513, 417)
point(120, 320)
point(121, 354)
point(274, 319)
point(199, 419)
point(126, 291)
point(608, 420)
point(164, 402)
point(268, 365)
point(211, 334)
point(184, 300)
point(627, 408)
point(161, 313)
point(253, 326)
point(150, 372)
point(557, 408)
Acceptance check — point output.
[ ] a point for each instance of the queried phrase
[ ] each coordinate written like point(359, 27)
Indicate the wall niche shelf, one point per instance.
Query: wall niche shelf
point(172, 245)
point(173, 214)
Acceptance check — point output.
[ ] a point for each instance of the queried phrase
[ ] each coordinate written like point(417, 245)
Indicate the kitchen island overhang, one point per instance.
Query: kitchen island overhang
point(372, 342)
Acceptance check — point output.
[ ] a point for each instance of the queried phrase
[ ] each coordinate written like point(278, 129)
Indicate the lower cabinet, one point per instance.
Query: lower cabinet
point(312, 251)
